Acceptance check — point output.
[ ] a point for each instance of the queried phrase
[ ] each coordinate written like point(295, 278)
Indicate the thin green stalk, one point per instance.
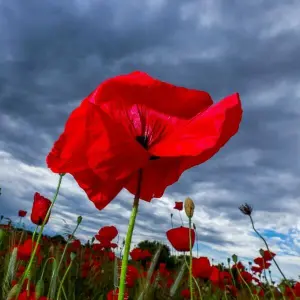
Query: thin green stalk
point(180, 217)
point(63, 279)
point(246, 284)
point(25, 274)
point(195, 280)
point(129, 237)
point(191, 258)
point(34, 233)
point(66, 247)
point(266, 246)
point(273, 297)
point(272, 255)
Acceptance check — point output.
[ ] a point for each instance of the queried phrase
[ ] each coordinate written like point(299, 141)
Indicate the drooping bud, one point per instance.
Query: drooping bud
point(39, 288)
point(189, 207)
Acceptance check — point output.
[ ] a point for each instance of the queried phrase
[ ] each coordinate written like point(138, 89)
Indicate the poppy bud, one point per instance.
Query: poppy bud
point(234, 258)
point(40, 209)
point(189, 207)
point(13, 292)
point(262, 252)
point(72, 255)
point(39, 288)
point(79, 219)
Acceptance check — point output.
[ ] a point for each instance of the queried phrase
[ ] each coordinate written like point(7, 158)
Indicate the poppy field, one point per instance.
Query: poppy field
point(138, 133)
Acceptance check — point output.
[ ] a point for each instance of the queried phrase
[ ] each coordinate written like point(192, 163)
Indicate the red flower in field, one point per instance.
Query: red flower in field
point(106, 233)
point(220, 278)
point(107, 244)
point(74, 246)
point(22, 213)
point(262, 263)
point(232, 289)
point(39, 209)
point(32, 296)
point(186, 294)
point(268, 255)
point(256, 269)
point(139, 254)
point(239, 266)
point(178, 205)
point(113, 295)
point(133, 122)
point(131, 276)
point(297, 289)
point(111, 255)
point(24, 250)
point(246, 276)
point(201, 267)
point(170, 282)
point(179, 238)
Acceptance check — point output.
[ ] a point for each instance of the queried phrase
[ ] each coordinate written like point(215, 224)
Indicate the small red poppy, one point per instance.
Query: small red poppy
point(201, 267)
point(179, 238)
point(107, 233)
point(178, 205)
point(186, 294)
point(133, 122)
point(139, 254)
point(22, 213)
point(268, 255)
point(39, 209)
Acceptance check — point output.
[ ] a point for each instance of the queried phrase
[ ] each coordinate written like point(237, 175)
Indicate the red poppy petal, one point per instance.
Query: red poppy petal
point(156, 177)
point(101, 193)
point(67, 154)
point(206, 133)
point(140, 88)
point(112, 153)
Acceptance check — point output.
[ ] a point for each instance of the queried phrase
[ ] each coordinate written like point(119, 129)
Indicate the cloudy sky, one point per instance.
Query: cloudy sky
point(54, 53)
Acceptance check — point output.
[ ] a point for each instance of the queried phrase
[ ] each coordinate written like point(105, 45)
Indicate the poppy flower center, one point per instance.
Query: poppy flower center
point(144, 142)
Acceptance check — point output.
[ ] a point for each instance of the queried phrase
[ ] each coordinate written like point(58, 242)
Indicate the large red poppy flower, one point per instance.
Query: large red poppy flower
point(39, 209)
point(179, 238)
point(132, 122)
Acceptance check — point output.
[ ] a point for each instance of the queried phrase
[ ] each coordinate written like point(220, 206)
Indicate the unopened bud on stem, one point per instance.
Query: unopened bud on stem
point(189, 207)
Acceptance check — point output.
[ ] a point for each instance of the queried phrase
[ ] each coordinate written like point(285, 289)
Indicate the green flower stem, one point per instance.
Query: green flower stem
point(287, 282)
point(229, 267)
point(273, 297)
point(63, 279)
point(25, 274)
point(34, 233)
point(65, 249)
point(191, 258)
point(195, 280)
point(252, 296)
point(129, 237)
point(266, 246)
